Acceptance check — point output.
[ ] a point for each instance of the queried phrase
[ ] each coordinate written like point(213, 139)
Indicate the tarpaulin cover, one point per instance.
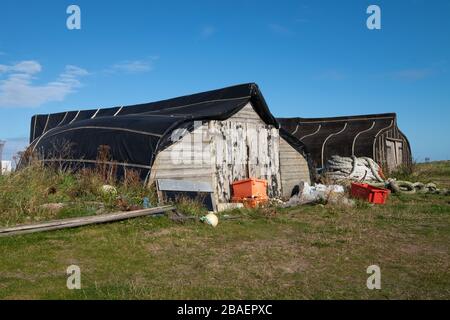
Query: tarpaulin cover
point(136, 133)
point(343, 136)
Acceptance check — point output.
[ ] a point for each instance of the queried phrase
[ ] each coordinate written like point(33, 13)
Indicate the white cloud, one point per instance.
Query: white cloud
point(133, 66)
point(18, 89)
point(28, 67)
point(74, 71)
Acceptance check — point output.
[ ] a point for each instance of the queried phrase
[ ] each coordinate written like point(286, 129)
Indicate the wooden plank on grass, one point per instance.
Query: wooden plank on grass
point(81, 221)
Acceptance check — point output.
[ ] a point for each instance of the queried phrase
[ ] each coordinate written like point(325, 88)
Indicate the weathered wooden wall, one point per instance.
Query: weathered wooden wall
point(387, 140)
point(187, 159)
point(240, 147)
point(293, 168)
point(244, 146)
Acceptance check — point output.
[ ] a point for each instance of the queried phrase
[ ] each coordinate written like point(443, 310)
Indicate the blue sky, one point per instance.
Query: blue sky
point(310, 59)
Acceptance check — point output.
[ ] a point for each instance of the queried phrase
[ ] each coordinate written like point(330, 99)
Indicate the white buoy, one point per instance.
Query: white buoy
point(211, 219)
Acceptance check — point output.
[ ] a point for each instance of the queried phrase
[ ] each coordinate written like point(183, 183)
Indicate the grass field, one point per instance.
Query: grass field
point(307, 252)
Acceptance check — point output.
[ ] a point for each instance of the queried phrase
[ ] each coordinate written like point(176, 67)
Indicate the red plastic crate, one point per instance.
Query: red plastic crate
point(369, 193)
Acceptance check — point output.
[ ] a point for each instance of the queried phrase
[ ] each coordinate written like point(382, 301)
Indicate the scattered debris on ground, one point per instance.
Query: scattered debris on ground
point(303, 193)
point(124, 205)
point(179, 217)
point(229, 206)
point(344, 170)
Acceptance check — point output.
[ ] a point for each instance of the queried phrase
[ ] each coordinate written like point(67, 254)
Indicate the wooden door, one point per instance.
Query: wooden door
point(399, 152)
point(394, 153)
point(390, 155)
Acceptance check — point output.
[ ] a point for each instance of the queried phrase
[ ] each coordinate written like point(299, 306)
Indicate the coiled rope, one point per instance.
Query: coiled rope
point(364, 169)
point(354, 168)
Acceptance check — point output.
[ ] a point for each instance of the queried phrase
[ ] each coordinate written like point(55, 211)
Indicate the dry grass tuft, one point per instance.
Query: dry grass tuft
point(25, 193)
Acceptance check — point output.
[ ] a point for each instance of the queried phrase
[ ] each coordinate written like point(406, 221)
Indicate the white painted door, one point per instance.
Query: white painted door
point(390, 155)
point(394, 154)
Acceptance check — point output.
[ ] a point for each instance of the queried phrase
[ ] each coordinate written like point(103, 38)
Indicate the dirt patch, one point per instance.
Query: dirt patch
point(154, 247)
point(416, 249)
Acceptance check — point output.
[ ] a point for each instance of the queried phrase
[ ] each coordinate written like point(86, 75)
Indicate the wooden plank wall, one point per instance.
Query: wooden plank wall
point(178, 162)
point(293, 167)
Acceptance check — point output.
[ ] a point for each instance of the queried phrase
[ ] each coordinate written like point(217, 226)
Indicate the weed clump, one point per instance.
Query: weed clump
point(25, 194)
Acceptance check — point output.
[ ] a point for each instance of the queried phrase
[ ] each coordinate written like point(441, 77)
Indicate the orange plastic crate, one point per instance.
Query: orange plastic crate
point(251, 202)
point(369, 193)
point(250, 188)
